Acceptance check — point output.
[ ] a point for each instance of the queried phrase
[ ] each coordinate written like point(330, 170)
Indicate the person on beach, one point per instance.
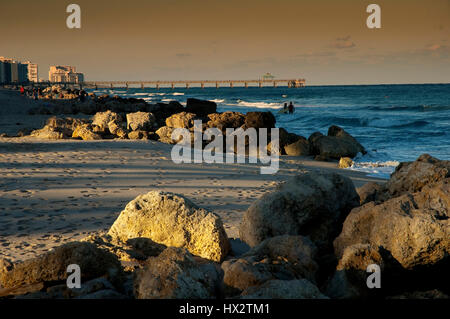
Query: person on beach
point(291, 108)
point(35, 94)
point(22, 90)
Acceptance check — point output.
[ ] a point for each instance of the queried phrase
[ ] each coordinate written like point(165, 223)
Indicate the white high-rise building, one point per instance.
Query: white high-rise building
point(66, 74)
point(33, 72)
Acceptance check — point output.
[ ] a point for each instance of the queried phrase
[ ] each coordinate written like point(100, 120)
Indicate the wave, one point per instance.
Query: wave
point(177, 93)
point(218, 100)
point(259, 105)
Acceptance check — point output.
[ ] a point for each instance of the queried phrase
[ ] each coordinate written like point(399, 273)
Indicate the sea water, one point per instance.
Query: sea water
point(393, 122)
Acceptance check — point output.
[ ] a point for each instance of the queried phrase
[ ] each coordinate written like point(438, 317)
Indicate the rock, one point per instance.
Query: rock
point(173, 220)
point(52, 266)
point(165, 135)
point(372, 191)
point(285, 138)
point(225, 120)
point(413, 176)
point(102, 120)
point(260, 120)
point(350, 278)
point(48, 133)
point(414, 228)
point(310, 204)
point(133, 250)
point(282, 257)
point(298, 148)
point(58, 128)
point(284, 289)
point(85, 133)
point(345, 162)
point(200, 107)
point(337, 144)
point(339, 132)
point(138, 135)
point(140, 121)
point(117, 129)
point(176, 274)
point(181, 120)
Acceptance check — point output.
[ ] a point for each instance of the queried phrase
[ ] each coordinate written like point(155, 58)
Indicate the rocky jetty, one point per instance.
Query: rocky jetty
point(129, 118)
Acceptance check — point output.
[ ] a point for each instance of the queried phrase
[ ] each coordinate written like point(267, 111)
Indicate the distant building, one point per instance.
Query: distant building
point(67, 74)
point(268, 76)
point(14, 72)
point(33, 72)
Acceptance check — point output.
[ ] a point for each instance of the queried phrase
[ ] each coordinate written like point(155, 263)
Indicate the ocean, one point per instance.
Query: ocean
point(393, 122)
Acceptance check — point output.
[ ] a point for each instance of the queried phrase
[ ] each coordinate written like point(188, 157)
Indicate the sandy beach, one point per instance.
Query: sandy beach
point(52, 192)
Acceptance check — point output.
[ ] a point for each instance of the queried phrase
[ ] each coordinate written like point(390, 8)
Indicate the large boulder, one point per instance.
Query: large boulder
point(181, 120)
point(282, 257)
point(372, 192)
point(200, 107)
point(102, 120)
point(298, 148)
point(284, 289)
point(285, 139)
point(414, 228)
point(86, 133)
point(260, 120)
point(350, 278)
point(337, 144)
point(58, 128)
point(413, 176)
point(140, 121)
point(52, 266)
point(225, 120)
point(310, 204)
point(173, 220)
point(165, 135)
point(176, 274)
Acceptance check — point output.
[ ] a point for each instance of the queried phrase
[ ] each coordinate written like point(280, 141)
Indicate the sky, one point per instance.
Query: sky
point(323, 41)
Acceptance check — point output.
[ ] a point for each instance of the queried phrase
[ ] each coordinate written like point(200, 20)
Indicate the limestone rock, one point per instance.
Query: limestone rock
point(413, 176)
point(52, 266)
point(414, 228)
point(345, 162)
point(372, 191)
point(138, 135)
point(102, 120)
point(140, 121)
point(298, 148)
point(284, 289)
point(165, 135)
point(310, 204)
point(173, 220)
point(117, 129)
point(86, 133)
point(176, 274)
point(225, 120)
point(282, 257)
point(181, 120)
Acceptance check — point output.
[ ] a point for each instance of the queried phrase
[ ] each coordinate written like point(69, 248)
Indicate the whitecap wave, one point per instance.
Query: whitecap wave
point(259, 105)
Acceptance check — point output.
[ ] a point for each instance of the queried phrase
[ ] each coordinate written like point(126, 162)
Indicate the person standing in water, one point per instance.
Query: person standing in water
point(291, 108)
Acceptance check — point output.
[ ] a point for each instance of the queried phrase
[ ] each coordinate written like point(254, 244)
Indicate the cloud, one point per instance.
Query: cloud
point(343, 43)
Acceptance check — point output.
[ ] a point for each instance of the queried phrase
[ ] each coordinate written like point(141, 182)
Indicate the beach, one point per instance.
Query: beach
point(53, 192)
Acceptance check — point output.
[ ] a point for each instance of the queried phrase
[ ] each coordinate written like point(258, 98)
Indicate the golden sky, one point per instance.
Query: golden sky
point(324, 41)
